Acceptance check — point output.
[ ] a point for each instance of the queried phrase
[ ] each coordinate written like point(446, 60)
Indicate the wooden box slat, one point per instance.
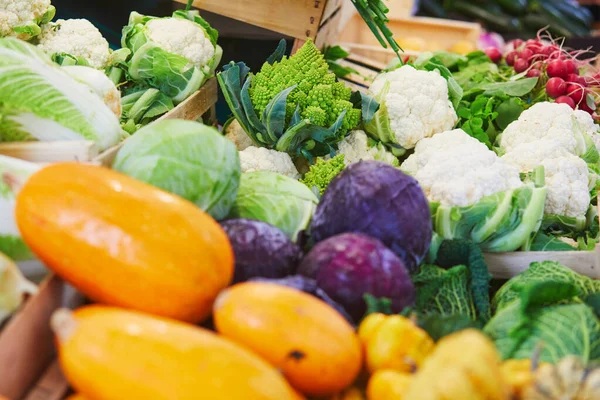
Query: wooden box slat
point(296, 18)
point(26, 342)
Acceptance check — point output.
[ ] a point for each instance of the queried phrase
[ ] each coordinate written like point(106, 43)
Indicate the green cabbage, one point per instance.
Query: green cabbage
point(13, 174)
point(444, 292)
point(542, 272)
point(539, 318)
point(276, 199)
point(39, 101)
point(186, 158)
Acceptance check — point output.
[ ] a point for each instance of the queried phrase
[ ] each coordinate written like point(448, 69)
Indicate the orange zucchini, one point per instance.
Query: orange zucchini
point(112, 354)
point(125, 243)
point(317, 350)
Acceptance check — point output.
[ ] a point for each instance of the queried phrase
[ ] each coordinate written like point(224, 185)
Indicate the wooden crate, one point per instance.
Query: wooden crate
point(26, 344)
point(439, 34)
point(194, 107)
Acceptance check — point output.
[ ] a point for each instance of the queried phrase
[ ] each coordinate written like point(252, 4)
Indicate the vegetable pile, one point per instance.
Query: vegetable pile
point(328, 244)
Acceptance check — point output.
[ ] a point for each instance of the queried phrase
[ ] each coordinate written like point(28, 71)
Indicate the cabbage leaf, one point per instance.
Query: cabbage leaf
point(537, 318)
point(543, 272)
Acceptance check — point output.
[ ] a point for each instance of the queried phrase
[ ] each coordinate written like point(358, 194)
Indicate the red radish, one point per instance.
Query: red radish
point(576, 92)
point(511, 58)
point(537, 65)
point(571, 67)
point(494, 54)
point(521, 65)
point(557, 69)
point(549, 50)
point(566, 100)
point(532, 73)
point(584, 107)
point(517, 43)
point(556, 87)
point(525, 54)
point(577, 79)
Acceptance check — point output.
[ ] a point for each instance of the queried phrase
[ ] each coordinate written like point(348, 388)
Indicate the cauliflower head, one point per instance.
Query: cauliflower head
point(456, 169)
point(567, 176)
point(21, 18)
point(551, 121)
point(356, 147)
point(262, 159)
point(238, 135)
point(416, 103)
point(182, 37)
point(77, 37)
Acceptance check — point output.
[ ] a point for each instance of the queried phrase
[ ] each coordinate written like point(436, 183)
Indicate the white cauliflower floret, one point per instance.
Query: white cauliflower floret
point(552, 121)
point(238, 136)
point(182, 37)
point(77, 37)
point(587, 124)
point(355, 147)
point(261, 159)
point(417, 104)
point(21, 18)
point(455, 169)
point(567, 176)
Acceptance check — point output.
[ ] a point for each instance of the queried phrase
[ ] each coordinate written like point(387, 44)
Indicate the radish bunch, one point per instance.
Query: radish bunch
point(557, 69)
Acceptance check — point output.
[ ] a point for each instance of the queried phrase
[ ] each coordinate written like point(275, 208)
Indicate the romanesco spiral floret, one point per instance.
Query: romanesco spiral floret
point(321, 96)
point(323, 172)
point(315, 115)
point(316, 87)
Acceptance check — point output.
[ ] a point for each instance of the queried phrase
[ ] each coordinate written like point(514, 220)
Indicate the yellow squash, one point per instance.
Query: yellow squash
point(112, 354)
point(387, 384)
point(464, 366)
point(393, 342)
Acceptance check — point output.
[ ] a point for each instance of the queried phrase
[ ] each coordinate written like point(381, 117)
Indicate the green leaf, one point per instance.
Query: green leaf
point(230, 82)
point(547, 271)
point(508, 111)
point(248, 107)
point(334, 53)
point(516, 88)
point(543, 242)
point(377, 305)
point(444, 292)
point(274, 114)
point(439, 326)
point(369, 107)
point(278, 53)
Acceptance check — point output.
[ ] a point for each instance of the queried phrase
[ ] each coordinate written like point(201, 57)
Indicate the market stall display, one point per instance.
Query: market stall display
point(341, 237)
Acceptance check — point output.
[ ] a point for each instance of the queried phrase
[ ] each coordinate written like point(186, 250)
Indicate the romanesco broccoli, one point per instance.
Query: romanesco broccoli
point(318, 96)
point(322, 172)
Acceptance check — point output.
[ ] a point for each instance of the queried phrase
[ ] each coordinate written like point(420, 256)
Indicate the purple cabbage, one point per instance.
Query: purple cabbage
point(261, 250)
point(309, 286)
point(380, 201)
point(349, 265)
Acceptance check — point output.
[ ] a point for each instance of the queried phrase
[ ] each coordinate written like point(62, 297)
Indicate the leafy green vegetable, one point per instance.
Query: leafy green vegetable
point(332, 55)
point(504, 221)
point(535, 318)
point(465, 252)
point(42, 102)
point(276, 199)
point(186, 158)
point(322, 172)
point(142, 106)
point(377, 305)
point(543, 242)
point(373, 12)
point(544, 272)
point(444, 292)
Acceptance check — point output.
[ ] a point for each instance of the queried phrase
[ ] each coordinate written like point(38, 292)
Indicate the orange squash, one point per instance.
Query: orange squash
point(76, 396)
point(317, 350)
point(125, 243)
point(112, 354)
